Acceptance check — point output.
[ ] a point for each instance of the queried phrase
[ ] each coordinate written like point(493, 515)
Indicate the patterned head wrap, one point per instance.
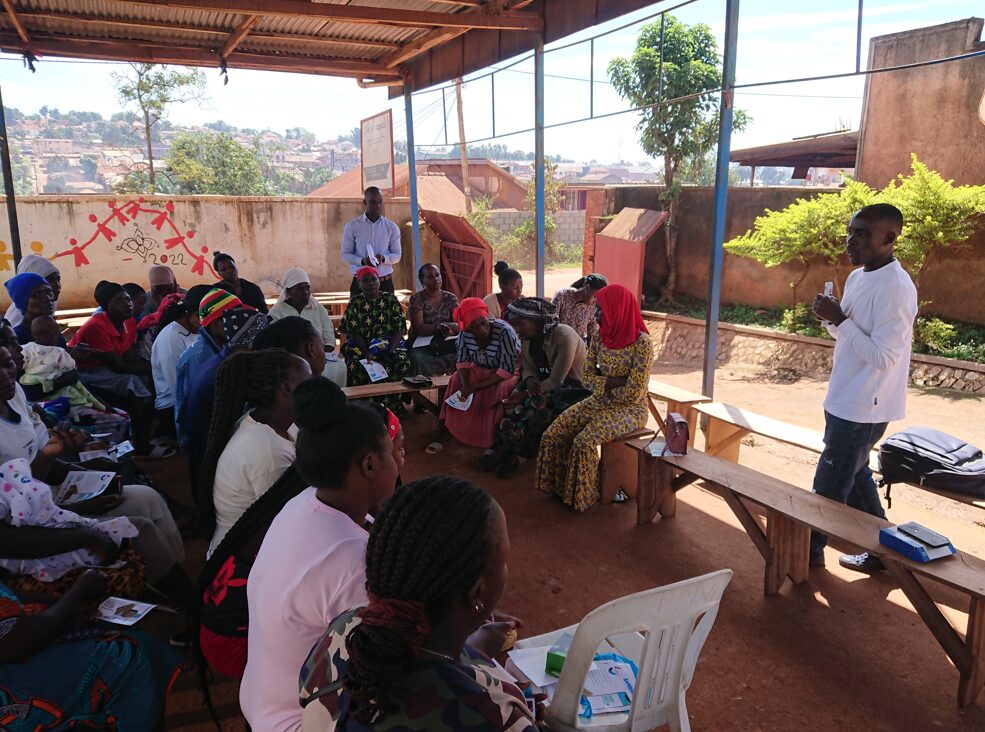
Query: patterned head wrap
point(366, 270)
point(215, 303)
point(242, 325)
point(533, 308)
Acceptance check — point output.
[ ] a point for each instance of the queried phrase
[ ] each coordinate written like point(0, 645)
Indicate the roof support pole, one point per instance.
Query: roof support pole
point(8, 187)
point(721, 197)
point(412, 178)
point(539, 158)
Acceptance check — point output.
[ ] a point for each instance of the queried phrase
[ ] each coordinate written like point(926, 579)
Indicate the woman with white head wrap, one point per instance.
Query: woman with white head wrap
point(39, 266)
point(295, 299)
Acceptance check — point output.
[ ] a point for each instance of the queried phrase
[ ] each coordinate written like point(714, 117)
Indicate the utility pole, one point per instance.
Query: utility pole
point(462, 147)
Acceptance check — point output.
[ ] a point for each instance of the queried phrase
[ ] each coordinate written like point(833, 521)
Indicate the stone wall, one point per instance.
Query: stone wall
point(681, 340)
point(570, 224)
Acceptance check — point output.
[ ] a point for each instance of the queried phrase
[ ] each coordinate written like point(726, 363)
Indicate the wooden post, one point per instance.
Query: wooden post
point(973, 677)
point(789, 545)
point(462, 146)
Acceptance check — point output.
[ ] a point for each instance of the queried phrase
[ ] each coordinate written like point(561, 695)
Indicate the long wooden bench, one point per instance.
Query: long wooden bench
point(388, 388)
point(791, 513)
point(728, 425)
point(618, 468)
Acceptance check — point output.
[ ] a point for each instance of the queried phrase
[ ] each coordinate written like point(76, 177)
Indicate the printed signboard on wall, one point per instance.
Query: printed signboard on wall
point(376, 147)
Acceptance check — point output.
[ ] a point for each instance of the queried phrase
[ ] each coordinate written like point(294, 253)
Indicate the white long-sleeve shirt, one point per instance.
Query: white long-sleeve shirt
point(170, 343)
point(383, 235)
point(872, 354)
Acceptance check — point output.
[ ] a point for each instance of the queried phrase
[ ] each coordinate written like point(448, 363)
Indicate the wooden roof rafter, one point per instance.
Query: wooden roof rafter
point(16, 21)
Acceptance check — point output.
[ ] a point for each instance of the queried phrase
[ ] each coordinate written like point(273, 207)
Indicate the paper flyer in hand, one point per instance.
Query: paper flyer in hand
point(455, 401)
point(123, 612)
point(94, 455)
point(422, 341)
point(81, 485)
point(375, 370)
point(371, 256)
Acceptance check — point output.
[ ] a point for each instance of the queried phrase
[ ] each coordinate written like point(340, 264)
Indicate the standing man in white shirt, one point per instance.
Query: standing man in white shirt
point(368, 236)
point(873, 325)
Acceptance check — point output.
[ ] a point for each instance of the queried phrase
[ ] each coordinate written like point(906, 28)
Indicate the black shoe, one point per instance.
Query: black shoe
point(508, 469)
point(864, 562)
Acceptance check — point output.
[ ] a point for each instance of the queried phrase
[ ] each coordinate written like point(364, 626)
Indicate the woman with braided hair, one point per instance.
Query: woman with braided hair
point(435, 570)
point(247, 453)
point(311, 565)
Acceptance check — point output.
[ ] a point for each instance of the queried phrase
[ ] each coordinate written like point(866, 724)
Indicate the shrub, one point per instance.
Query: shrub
point(931, 334)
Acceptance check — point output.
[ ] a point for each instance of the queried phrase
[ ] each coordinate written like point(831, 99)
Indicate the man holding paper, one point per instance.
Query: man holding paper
point(371, 240)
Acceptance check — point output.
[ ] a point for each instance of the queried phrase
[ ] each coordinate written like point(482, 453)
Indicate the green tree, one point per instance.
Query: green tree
point(681, 132)
point(936, 215)
point(806, 230)
point(153, 88)
point(206, 163)
point(519, 248)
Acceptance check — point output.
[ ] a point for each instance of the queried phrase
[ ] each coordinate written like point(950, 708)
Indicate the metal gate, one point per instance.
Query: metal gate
point(466, 258)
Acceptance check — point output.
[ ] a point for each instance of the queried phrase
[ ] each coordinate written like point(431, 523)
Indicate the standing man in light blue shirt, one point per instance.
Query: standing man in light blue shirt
point(371, 234)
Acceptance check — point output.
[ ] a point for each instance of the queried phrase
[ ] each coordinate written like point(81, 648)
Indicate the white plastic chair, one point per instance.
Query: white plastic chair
point(662, 631)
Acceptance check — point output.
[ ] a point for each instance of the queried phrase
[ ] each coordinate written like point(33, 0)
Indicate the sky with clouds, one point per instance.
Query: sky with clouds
point(805, 38)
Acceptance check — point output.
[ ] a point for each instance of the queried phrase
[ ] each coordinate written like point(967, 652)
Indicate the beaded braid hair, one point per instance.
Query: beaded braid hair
point(250, 377)
point(428, 546)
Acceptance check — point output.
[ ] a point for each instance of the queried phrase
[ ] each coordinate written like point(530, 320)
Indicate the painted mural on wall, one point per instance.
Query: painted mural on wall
point(132, 231)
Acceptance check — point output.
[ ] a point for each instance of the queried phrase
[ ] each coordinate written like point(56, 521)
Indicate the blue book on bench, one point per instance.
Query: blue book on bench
point(916, 542)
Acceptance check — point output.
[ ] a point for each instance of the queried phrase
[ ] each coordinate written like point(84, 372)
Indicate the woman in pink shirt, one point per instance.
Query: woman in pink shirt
point(311, 565)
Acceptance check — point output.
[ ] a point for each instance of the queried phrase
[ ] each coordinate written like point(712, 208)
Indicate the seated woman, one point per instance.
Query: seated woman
point(488, 365)
point(310, 567)
point(552, 359)
point(617, 370)
point(22, 435)
point(576, 304)
point(296, 300)
point(32, 296)
point(248, 292)
point(406, 656)
point(374, 328)
point(431, 316)
point(113, 371)
point(39, 266)
point(510, 288)
point(248, 450)
point(118, 680)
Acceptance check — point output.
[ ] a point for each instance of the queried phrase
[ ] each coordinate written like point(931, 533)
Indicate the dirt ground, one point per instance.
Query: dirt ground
point(842, 651)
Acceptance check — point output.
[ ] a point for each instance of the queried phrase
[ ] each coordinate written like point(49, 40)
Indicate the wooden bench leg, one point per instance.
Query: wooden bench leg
point(789, 550)
point(617, 469)
point(655, 491)
point(724, 440)
point(973, 678)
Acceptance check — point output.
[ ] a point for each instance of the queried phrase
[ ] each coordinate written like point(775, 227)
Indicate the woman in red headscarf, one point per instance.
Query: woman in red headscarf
point(487, 362)
point(617, 370)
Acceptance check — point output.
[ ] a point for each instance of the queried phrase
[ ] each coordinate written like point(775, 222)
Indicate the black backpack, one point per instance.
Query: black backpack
point(925, 457)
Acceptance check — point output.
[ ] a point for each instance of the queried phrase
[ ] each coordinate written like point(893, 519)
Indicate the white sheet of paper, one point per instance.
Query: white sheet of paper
point(371, 256)
point(532, 663)
point(657, 447)
point(608, 703)
point(122, 449)
point(610, 677)
point(93, 455)
point(80, 485)
point(375, 370)
point(422, 341)
point(455, 401)
point(123, 612)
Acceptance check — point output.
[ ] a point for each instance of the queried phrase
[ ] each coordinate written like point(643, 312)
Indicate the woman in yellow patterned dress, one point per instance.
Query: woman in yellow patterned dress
point(617, 370)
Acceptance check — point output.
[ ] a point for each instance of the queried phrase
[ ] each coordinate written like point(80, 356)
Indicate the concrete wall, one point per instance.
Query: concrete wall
point(952, 284)
point(92, 238)
point(570, 224)
point(931, 111)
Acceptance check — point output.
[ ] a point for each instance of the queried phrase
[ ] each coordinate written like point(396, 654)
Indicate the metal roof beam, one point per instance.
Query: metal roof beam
point(109, 50)
point(354, 13)
point(15, 21)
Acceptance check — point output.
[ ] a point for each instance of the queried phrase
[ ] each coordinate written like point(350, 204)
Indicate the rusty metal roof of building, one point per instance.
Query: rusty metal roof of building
point(374, 41)
point(832, 150)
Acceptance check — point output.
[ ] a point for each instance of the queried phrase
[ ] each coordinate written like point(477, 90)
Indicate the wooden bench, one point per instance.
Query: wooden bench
point(791, 513)
point(728, 425)
point(388, 388)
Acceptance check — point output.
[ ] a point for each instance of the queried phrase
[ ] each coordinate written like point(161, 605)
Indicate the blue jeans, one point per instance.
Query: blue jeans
point(843, 472)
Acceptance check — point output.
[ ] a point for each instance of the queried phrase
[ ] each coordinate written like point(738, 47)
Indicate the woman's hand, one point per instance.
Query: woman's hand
point(614, 382)
point(534, 386)
point(491, 637)
point(515, 399)
point(59, 443)
point(103, 546)
point(92, 585)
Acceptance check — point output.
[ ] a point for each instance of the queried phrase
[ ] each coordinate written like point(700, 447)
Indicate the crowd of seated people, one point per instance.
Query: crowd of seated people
point(319, 565)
